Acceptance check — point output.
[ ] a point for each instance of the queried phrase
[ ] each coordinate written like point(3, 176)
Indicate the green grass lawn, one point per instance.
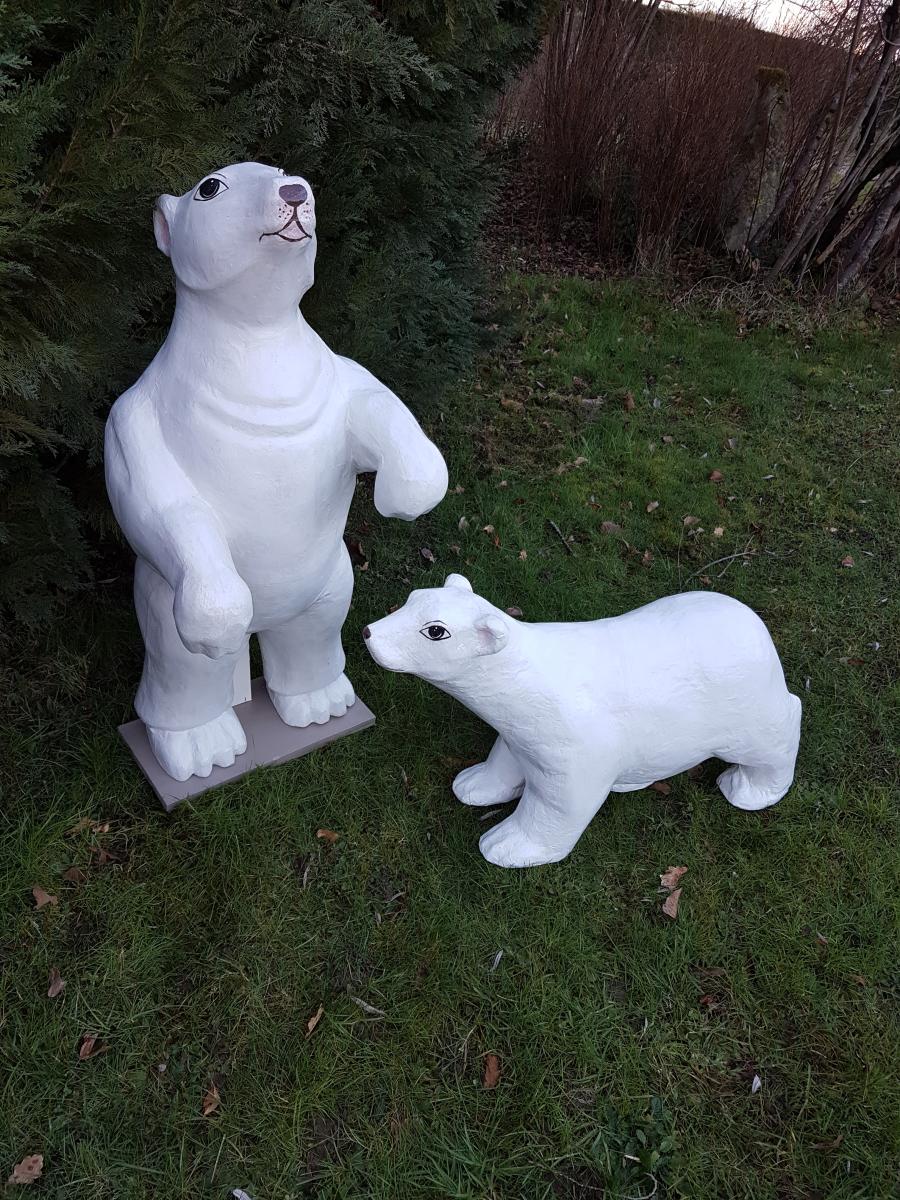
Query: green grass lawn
point(197, 947)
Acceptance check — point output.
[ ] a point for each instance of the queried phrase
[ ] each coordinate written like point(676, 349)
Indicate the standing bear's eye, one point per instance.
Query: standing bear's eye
point(435, 633)
point(210, 188)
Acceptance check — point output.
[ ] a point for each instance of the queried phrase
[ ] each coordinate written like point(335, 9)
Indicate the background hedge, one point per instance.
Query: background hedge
point(105, 105)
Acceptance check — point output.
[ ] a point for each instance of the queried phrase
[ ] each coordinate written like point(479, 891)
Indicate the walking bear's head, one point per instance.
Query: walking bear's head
point(439, 632)
point(246, 228)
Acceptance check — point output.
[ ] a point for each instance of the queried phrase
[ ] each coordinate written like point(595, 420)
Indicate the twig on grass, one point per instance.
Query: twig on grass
point(370, 1009)
point(726, 558)
point(559, 533)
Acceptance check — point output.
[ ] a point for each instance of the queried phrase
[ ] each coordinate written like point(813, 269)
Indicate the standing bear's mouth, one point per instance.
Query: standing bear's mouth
point(293, 221)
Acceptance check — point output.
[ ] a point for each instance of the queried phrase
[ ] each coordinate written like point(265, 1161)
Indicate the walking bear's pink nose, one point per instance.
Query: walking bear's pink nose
point(294, 193)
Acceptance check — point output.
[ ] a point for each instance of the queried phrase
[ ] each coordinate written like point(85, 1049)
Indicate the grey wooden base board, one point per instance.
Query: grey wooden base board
point(269, 742)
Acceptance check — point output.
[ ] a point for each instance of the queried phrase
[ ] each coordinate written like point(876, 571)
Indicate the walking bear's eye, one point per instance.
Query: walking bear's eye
point(435, 633)
point(210, 188)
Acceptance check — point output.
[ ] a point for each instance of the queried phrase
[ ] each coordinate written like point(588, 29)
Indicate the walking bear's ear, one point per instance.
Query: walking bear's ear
point(493, 634)
point(458, 581)
point(163, 211)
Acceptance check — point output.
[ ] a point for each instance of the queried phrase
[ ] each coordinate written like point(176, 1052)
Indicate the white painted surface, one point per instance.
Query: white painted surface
point(231, 464)
point(586, 708)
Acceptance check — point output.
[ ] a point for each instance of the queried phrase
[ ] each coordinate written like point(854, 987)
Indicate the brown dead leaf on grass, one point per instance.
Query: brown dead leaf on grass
point(327, 835)
point(84, 823)
point(647, 558)
point(315, 1019)
point(491, 1071)
point(74, 875)
point(662, 787)
point(42, 898)
point(610, 527)
point(211, 1101)
point(847, 561)
point(670, 904)
point(89, 1046)
point(653, 506)
point(715, 476)
point(628, 402)
point(671, 877)
point(427, 553)
point(690, 521)
point(55, 983)
point(28, 1170)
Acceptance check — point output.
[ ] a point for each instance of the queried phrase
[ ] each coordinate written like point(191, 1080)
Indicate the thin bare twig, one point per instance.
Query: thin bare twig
point(559, 533)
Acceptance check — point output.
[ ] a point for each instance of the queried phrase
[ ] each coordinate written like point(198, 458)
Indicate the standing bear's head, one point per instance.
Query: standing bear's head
point(439, 632)
point(247, 229)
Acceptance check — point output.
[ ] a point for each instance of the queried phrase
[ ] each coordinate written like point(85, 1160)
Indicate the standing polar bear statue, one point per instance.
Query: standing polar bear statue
point(231, 464)
point(593, 707)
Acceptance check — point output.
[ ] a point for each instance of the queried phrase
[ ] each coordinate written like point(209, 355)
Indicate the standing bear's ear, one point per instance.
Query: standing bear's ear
point(493, 633)
point(163, 212)
point(458, 581)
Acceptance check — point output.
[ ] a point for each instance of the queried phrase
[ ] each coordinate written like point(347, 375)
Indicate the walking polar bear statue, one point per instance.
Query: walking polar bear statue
point(590, 707)
point(231, 464)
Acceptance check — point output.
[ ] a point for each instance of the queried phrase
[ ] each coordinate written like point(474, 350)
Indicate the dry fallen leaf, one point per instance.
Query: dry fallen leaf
point(755, 1085)
point(688, 521)
point(653, 506)
point(56, 983)
point(491, 1071)
point(28, 1170)
point(514, 612)
point(718, 531)
point(832, 1145)
point(327, 836)
point(88, 1046)
point(847, 560)
point(670, 904)
point(510, 403)
point(427, 554)
point(715, 476)
point(211, 1101)
point(74, 875)
point(463, 525)
point(671, 877)
point(647, 558)
point(315, 1019)
point(458, 490)
point(487, 529)
point(662, 787)
point(668, 439)
point(42, 898)
point(628, 402)
point(523, 554)
point(610, 527)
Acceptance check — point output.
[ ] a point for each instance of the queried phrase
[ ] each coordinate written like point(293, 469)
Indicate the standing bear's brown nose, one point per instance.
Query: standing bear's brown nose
point(294, 193)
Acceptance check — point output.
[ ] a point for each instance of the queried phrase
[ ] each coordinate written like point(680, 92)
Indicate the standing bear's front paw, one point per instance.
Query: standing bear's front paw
point(213, 613)
point(316, 707)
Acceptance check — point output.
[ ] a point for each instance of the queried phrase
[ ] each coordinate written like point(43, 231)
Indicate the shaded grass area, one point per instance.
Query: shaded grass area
point(199, 945)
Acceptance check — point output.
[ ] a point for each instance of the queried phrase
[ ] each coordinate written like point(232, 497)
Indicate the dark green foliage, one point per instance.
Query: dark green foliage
point(104, 105)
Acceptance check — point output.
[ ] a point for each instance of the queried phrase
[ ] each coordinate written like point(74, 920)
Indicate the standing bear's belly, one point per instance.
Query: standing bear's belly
point(280, 484)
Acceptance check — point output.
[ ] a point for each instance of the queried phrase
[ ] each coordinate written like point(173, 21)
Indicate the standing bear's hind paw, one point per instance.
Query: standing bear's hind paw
point(185, 752)
point(316, 707)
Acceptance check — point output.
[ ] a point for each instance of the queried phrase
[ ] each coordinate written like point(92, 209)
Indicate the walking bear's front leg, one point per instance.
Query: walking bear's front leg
point(550, 818)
